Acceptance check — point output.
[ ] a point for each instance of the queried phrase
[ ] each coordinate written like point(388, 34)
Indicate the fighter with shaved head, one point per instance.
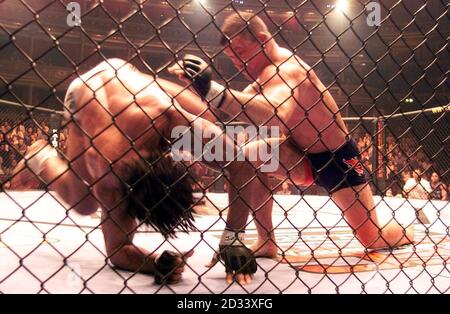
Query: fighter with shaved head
point(287, 93)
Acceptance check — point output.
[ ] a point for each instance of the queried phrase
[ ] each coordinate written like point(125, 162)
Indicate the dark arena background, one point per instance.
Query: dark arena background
point(91, 193)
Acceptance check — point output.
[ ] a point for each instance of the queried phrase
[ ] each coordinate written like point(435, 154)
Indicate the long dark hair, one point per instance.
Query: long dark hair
point(159, 193)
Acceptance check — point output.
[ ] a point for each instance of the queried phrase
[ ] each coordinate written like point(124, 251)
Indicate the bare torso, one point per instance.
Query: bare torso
point(121, 114)
point(314, 121)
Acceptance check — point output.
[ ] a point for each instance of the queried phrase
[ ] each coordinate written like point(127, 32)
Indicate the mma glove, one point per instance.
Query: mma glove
point(200, 74)
point(235, 255)
point(165, 264)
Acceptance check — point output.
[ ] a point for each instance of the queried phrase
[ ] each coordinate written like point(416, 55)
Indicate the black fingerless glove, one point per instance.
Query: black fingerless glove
point(164, 265)
point(235, 255)
point(239, 259)
point(200, 74)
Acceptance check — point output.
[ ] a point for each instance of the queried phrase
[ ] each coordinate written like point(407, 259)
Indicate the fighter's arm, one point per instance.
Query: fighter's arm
point(187, 99)
point(244, 186)
point(274, 99)
point(119, 230)
point(178, 117)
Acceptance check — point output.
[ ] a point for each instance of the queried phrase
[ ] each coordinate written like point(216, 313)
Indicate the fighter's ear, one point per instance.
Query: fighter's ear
point(263, 37)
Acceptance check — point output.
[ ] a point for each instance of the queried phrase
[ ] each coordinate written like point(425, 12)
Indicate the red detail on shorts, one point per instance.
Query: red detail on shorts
point(308, 171)
point(354, 164)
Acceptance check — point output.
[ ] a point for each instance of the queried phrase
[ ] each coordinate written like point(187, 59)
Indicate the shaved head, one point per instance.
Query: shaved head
point(242, 24)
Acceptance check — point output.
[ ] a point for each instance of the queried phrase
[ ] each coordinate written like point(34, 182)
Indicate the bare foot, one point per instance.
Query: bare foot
point(395, 238)
point(266, 248)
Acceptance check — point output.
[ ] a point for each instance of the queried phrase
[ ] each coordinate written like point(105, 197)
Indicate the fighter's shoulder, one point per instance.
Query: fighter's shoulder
point(288, 69)
point(294, 66)
point(108, 68)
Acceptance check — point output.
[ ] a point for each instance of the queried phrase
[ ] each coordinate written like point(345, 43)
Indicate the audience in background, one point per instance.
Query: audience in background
point(389, 192)
point(15, 140)
point(400, 154)
point(439, 189)
point(285, 189)
point(417, 186)
point(1, 167)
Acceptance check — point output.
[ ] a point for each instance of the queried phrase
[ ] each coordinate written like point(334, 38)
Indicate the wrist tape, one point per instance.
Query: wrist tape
point(216, 94)
point(232, 238)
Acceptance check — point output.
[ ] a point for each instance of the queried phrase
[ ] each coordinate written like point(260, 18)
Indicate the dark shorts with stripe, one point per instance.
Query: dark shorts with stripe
point(339, 169)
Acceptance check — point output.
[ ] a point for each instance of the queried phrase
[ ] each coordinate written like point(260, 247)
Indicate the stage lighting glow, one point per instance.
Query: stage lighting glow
point(342, 5)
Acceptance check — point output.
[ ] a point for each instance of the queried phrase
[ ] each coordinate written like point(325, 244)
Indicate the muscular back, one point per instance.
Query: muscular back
point(117, 111)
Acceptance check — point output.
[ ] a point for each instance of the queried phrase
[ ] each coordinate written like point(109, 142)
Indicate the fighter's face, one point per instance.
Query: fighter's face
point(245, 55)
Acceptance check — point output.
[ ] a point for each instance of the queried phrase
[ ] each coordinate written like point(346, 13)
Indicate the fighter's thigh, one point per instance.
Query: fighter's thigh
point(291, 163)
point(77, 150)
point(356, 202)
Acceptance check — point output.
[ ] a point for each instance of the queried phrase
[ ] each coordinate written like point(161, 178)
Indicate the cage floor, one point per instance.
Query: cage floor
point(45, 250)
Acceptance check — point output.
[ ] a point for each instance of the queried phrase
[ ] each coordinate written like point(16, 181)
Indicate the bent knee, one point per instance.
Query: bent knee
point(386, 239)
point(86, 207)
point(372, 243)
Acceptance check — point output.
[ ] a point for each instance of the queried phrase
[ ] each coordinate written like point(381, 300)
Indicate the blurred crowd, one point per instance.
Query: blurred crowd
point(409, 173)
point(15, 140)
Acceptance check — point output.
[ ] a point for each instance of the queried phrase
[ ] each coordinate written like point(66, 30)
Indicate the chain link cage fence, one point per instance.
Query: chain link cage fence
point(385, 63)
